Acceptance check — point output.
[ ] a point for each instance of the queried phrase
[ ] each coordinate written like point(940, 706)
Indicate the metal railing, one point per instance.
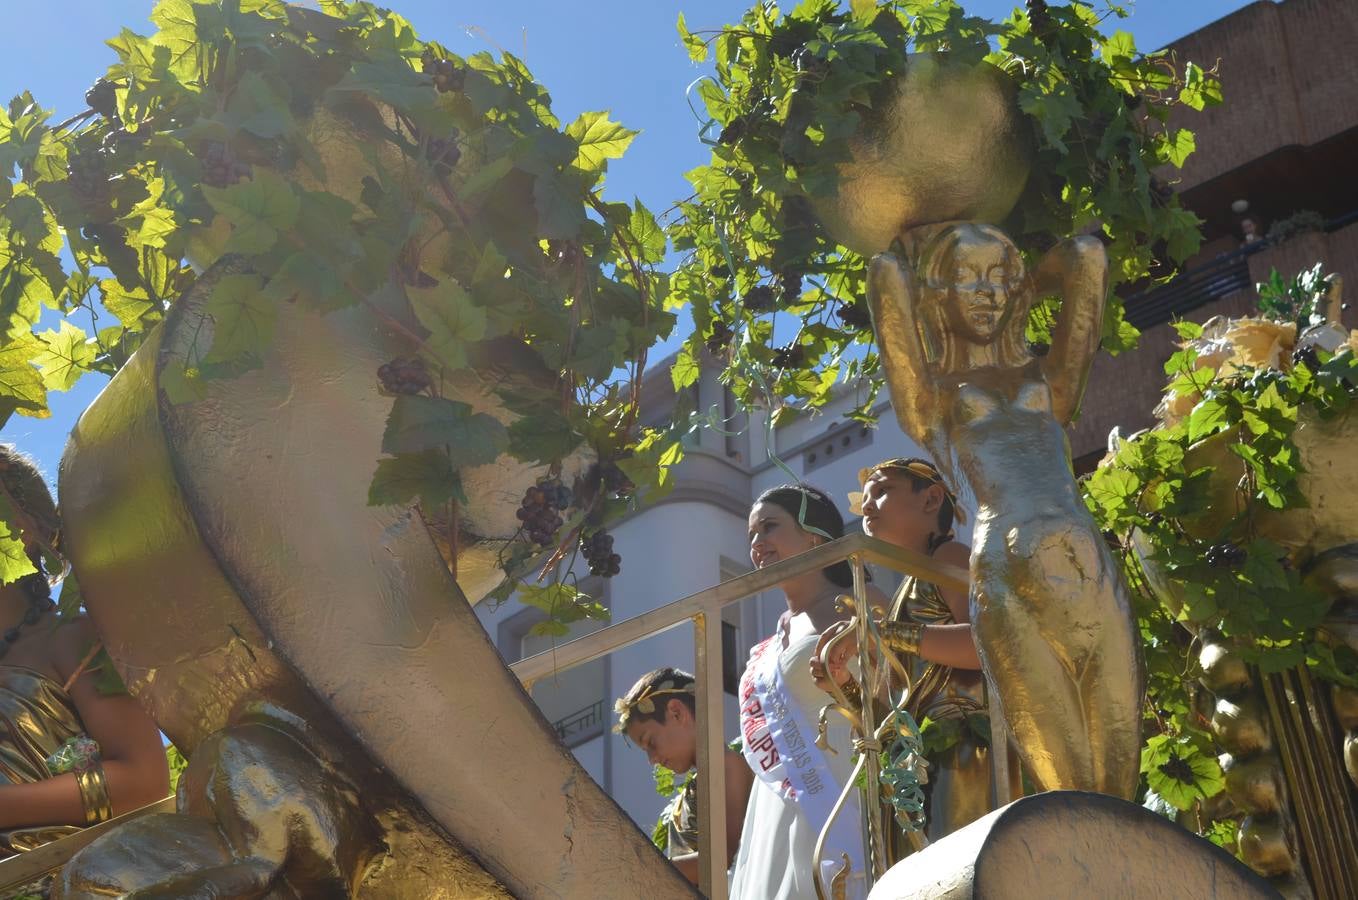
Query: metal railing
point(703, 610)
point(580, 721)
point(26, 868)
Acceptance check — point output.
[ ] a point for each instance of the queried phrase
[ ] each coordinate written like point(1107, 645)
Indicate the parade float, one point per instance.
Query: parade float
point(369, 301)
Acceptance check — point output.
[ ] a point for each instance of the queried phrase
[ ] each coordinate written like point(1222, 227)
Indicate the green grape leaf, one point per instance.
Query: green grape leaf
point(419, 423)
point(544, 437)
point(243, 323)
point(694, 44)
point(427, 476)
point(66, 356)
point(647, 233)
point(14, 561)
point(21, 385)
point(259, 208)
point(599, 140)
point(560, 213)
point(685, 371)
point(452, 318)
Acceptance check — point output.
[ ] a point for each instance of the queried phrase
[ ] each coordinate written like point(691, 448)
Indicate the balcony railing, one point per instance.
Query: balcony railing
point(703, 610)
point(582, 721)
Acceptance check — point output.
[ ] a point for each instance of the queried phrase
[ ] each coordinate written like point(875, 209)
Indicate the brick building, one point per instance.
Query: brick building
point(1285, 141)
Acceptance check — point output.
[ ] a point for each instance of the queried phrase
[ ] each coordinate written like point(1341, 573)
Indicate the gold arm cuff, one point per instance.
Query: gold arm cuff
point(902, 637)
point(94, 795)
point(853, 693)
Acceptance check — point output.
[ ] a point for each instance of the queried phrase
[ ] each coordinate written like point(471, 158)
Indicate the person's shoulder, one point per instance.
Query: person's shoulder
point(72, 641)
point(954, 553)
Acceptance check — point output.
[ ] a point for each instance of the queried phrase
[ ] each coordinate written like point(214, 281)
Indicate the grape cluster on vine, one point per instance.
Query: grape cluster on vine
point(758, 299)
point(790, 286)
point(540, 510)
point(720, 337)
point(793, 356)
point(851, 314)
point(88, 176)
point(102, 97)
point(444, 153)
point(404, 377)
point(447, 75)
point(1308, 356)
point(612, 479)
point(221, 167)
point(598, 550)
point(1226, 555)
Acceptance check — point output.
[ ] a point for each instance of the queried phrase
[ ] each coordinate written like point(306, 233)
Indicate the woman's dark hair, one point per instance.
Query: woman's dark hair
point(924, 474)
point(821, 516)
point(31, 502)
point(651, 695)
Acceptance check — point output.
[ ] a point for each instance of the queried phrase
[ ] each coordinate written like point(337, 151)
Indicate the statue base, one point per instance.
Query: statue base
point(1070, 844)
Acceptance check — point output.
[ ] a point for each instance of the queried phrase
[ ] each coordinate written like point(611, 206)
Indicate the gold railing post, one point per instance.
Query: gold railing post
point(874, 844)
point(712, 851)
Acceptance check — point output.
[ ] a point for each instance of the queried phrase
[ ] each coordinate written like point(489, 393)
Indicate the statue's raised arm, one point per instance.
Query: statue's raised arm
point(1076, 270)
point(891, 297)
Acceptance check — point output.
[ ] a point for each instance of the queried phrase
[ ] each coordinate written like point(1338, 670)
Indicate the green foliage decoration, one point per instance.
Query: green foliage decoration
point(1234, 583)
point(478, 230)
point(792, 85)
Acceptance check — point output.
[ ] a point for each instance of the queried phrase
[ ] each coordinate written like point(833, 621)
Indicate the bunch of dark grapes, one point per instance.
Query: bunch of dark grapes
point(1225, 556)
point(720, 270)
point(758, 299)
point(613, 480)
point(1308, 356)
point(598, 550)
point(88, 177)
point(1039, 348)
point(734, 130)
point(447, 75)
point(793, 356)
point(102, 97)
point(444, 153)
point(404, 376)
point(790, 285)
point(854, 316)
point(540, 510)
point(221, 168)
point(1161, 190)
point(1039, 17)
point(720, 337)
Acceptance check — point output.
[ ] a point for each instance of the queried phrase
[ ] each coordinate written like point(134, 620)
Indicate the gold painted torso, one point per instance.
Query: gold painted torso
point(36, 717)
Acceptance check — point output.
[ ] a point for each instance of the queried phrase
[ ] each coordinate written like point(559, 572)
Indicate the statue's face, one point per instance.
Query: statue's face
point(979, 281)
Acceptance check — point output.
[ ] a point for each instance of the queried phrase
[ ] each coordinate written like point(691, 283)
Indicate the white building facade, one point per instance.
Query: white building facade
point(694, 538)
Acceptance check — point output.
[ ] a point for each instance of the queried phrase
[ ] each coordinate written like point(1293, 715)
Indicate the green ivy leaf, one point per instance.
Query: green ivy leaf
point(420, 423)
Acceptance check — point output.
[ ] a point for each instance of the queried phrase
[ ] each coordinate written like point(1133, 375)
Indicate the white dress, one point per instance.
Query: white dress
point(777, 841)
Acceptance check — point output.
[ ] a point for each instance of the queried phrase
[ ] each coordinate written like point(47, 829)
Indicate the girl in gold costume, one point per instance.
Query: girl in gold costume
point(907, 503)
point(657, 715)
point(69, 755)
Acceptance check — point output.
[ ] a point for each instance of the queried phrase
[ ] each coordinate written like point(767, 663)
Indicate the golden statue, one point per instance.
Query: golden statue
point(1051, 613)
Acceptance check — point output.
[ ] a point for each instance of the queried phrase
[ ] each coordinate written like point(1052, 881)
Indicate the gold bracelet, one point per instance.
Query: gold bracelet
point(852, 693)
point(94, 795)
point(902, 637)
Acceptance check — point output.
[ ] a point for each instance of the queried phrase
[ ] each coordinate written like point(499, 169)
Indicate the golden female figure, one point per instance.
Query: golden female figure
point(1051, 614)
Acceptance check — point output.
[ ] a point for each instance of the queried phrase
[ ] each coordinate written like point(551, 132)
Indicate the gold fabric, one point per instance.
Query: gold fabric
point(682, 822)
point(959, 777)
point(36, 718)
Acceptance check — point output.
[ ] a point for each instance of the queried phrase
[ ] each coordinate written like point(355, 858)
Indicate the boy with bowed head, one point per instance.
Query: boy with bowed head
point(658, 716)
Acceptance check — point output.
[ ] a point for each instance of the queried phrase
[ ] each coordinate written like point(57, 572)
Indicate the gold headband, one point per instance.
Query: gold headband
point(644, 702)
point(916, 467)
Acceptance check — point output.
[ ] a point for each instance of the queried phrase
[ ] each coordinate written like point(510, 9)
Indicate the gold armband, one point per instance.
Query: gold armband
point(94, 794)
point(902, 637)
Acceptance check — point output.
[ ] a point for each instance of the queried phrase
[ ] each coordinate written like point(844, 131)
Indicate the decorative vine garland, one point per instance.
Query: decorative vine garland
point(473, 213)
point(792, 86)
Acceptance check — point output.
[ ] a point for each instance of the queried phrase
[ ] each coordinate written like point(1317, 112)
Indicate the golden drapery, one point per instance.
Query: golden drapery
point(37, 717)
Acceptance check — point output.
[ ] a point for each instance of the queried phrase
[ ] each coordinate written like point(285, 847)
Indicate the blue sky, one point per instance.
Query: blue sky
point(619, 55)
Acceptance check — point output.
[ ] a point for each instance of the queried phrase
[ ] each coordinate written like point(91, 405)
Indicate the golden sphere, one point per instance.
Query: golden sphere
point(948, 143)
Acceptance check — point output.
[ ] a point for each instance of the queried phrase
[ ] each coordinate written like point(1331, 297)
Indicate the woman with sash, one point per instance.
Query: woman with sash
point(70, 756)
point(658, 715)
point(796, 782)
